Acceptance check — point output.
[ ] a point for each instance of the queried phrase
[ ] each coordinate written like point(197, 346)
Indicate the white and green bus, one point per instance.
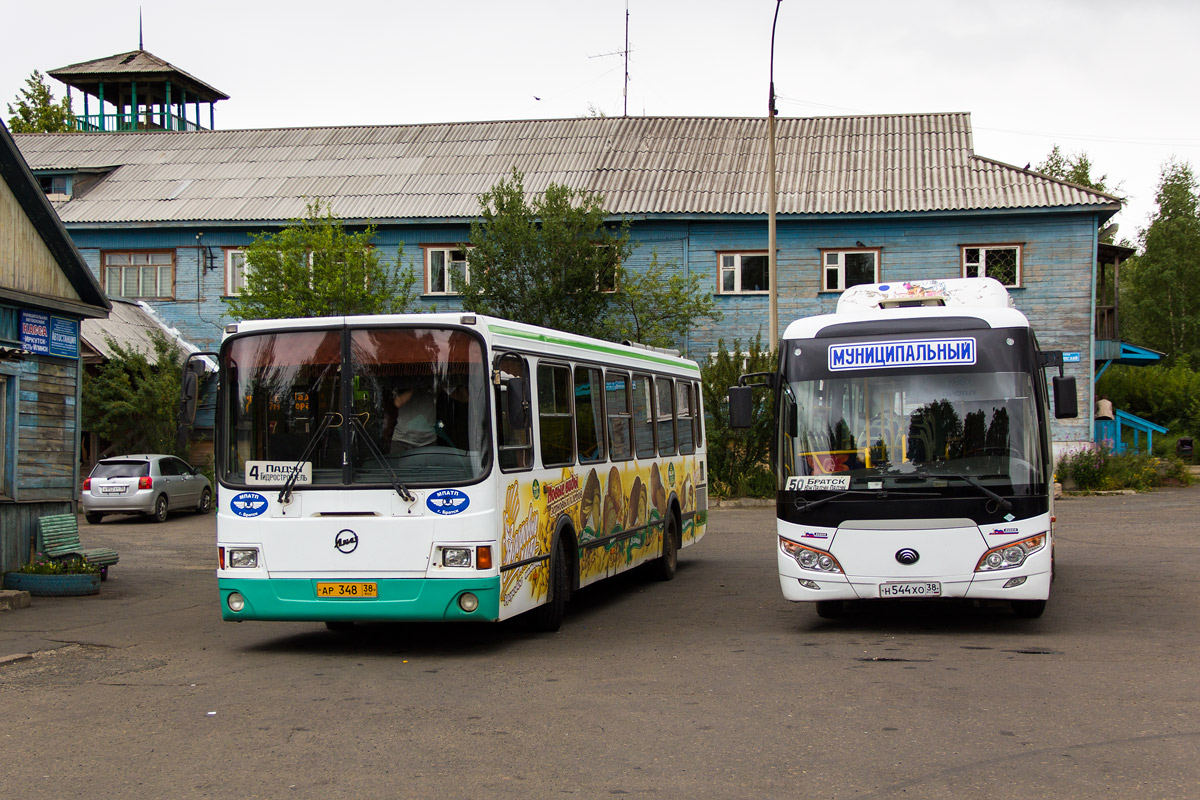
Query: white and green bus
point(446, 467)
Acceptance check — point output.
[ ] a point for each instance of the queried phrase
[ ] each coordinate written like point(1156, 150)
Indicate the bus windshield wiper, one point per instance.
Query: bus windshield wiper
point(808, 505)
point(401, 489)
point(1004, 503)
point(285, 494)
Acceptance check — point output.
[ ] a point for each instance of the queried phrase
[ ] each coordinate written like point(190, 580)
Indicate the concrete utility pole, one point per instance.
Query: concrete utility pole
point(772, 272)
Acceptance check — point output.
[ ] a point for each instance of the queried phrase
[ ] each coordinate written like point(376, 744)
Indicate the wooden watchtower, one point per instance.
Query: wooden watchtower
point(138, 91)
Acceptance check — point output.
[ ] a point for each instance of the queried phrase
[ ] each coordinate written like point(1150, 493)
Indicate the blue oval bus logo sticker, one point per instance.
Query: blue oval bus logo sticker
point(448, 501)
point(248, 504)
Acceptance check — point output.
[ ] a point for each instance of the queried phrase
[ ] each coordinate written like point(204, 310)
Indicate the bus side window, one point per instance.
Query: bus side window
point(698, 410)
point(643, 417)
point(589, 414)
point(666, 416)
point(620, 421)
point(684, 414)
point(556, 437)
point(515, 443)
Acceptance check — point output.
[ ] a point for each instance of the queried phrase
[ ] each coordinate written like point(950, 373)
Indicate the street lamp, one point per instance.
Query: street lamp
point(772, 292)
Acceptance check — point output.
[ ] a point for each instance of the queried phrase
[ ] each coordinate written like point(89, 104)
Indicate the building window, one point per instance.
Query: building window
point(1002, 263)
point(444, 268)
point(140, 275)
point(842, 269)
point(742, 272)
point(55, 184)
point(235, 272)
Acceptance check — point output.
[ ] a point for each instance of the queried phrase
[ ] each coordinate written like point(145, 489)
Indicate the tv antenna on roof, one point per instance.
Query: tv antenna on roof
point(625, 53)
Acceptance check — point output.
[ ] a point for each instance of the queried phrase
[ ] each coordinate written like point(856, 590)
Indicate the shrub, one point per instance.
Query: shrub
point(44, 565)
point(1100, 470)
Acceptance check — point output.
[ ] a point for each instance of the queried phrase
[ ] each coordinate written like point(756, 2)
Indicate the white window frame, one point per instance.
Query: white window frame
point(235, 274)
point(160, 292)
point(448, 263)
point(834, 261)
point(978, 268)
point(731, 262)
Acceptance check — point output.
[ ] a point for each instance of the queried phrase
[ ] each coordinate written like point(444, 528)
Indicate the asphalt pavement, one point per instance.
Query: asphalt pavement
point(709, 686)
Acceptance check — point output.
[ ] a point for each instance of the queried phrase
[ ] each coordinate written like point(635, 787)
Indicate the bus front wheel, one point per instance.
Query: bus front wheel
point(548, 618)
point(1028, 609)
point(830, 609)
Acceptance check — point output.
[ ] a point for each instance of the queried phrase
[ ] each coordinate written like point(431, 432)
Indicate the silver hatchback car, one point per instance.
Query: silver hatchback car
point(144, 484)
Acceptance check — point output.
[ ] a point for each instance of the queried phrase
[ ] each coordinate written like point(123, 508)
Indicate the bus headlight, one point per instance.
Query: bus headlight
point(236, 602)
point(1010, 555)
point(456, 557)
point(808, 558)
point(243, 559)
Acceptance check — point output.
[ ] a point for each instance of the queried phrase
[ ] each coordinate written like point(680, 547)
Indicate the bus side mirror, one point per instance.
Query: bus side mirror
point(741, 406)
point(190, 397)
point(515, 405)
point(1066, 399)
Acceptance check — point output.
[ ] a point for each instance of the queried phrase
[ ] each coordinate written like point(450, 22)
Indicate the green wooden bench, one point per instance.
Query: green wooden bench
point(58, 537)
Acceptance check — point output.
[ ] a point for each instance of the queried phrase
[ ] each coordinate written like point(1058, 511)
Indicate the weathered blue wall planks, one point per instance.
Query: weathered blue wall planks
point(1058, 254)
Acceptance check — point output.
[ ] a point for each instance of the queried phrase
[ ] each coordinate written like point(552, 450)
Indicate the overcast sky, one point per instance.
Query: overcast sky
point(1114, 79)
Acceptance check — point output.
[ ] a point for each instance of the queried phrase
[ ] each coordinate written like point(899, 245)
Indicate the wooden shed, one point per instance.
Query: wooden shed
point(46, 290)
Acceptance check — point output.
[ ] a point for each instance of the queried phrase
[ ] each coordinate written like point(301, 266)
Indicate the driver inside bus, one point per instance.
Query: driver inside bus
point(411, 420)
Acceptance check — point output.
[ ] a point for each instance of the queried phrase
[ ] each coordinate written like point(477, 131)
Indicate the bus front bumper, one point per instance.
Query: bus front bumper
point(400, 599)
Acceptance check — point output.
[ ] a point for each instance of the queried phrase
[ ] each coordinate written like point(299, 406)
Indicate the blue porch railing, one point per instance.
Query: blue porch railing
point(1111, 433)
point(133, 122)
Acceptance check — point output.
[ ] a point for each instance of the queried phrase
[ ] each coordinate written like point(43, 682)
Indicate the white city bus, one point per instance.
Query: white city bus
point(913, 448)
point(539, 462)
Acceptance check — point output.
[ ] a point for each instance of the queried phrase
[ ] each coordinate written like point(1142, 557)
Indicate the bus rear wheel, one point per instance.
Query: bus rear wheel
point(548, 618)
point(1028, 609)
point(664, 567)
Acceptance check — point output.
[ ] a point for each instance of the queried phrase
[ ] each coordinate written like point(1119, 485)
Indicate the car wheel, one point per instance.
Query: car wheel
point(205, 504)
point(160, 509)
point(92, 518)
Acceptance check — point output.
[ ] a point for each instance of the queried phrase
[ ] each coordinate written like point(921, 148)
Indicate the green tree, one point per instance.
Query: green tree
point(556, 261)
point(657, 307)
point(36, 111)
point(1160, 307)
point(738, 460)
point(131, 402)
point(544, 261)
point(1077, 169)
point(315, 268)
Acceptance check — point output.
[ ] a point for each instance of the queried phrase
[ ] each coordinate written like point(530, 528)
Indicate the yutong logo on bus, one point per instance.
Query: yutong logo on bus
point(917, 353)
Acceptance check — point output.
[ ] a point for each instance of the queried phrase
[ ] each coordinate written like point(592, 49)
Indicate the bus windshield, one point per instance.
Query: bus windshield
point(363, 407)
point(895, 431)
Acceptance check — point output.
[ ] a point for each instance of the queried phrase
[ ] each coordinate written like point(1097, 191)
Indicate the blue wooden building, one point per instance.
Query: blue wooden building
point(46, 290)
point(163, 215)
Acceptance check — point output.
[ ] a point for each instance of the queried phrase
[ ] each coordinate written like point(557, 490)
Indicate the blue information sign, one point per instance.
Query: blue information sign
point(1070, 358)
point(49, 335)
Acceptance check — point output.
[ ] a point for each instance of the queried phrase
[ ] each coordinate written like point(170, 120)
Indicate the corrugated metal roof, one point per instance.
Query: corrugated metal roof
point(642, 165)
point(129, 326)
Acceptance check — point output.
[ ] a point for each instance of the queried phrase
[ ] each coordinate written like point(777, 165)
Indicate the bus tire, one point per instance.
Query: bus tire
point(665, 565)
point(547, 618)
point(1028, 609)
point(830, 609)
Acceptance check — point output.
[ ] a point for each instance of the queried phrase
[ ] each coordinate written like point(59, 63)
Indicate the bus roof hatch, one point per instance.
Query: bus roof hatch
point(971, 292)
